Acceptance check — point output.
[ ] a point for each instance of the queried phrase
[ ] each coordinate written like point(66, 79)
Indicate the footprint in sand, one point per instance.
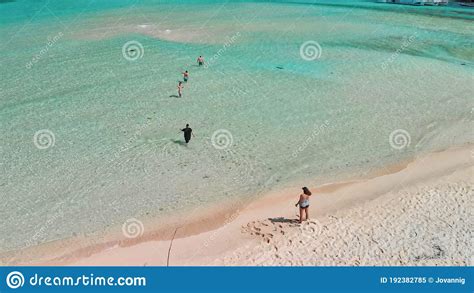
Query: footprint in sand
point(267, 237)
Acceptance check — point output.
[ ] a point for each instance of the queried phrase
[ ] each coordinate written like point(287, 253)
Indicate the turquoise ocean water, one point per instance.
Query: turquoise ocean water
point(91, 126)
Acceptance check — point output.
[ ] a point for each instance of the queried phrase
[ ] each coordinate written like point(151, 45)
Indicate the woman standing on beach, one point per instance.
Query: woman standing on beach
point(303, 202)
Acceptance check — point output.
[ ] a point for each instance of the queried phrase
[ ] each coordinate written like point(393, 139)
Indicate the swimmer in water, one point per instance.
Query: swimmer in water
point(185, 76)
point(200, 61)
point(187, 133)
point(303, 202)
point(180, 89)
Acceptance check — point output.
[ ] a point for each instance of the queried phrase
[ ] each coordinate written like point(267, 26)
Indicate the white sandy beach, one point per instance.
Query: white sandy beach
point(339, 94)
point(428, 223)
point(420, 214)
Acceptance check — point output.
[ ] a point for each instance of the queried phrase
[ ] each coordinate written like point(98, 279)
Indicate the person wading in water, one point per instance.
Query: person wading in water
point(187, 133)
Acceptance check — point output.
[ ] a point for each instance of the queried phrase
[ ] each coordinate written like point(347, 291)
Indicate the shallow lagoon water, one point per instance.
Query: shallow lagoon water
point(279, 119)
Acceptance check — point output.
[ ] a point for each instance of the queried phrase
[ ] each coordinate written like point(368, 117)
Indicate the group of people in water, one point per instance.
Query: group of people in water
point(303, 201)
point(200, 61)
point(187, 131)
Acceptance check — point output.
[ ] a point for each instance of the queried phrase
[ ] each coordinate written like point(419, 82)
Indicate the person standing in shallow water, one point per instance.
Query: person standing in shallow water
point(180, 89)
point(187, 133)
point(303, 202)
point(185, 76)
point(200, 61)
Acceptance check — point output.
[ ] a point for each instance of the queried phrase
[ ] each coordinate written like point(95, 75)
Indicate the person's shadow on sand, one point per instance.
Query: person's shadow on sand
point(174, 96)
point(282, 220)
